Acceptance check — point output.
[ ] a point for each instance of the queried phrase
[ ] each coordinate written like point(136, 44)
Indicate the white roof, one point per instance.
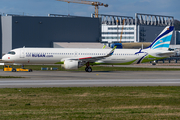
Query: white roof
point(78, 45)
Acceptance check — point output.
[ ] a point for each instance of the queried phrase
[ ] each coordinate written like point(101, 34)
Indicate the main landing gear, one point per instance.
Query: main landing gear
point(88, 68)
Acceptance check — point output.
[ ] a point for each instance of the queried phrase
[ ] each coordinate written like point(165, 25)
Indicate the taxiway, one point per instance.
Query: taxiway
point(84, 79)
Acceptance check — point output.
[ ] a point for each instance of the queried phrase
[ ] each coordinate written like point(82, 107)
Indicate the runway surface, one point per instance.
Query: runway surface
point(84, 79)
point(88, 83)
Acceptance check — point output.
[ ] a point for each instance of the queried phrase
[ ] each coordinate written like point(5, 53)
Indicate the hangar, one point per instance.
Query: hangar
point(37, 31)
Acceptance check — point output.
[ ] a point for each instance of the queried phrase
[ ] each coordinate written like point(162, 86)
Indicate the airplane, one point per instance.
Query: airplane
point(74, 58)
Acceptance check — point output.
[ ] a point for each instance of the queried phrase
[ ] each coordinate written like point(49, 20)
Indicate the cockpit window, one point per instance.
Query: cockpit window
point(12, 53)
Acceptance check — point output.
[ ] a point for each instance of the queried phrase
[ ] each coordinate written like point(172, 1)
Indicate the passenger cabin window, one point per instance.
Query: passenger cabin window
point(12, 53)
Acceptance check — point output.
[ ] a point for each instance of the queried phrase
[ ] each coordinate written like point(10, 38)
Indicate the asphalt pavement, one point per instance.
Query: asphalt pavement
point(84, 79)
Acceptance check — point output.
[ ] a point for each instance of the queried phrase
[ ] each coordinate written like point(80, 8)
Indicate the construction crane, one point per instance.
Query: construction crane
point(118, 45)
point(122, 31)
point(93, 3)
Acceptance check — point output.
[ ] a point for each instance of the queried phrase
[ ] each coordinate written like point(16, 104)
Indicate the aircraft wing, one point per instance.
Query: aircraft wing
point(93, 59)
point(165, 53)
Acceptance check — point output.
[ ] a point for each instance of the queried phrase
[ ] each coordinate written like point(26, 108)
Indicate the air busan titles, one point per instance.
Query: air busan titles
point(72, 58)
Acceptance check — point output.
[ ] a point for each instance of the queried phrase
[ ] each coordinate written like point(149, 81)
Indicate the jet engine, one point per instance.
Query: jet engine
point(72, 64)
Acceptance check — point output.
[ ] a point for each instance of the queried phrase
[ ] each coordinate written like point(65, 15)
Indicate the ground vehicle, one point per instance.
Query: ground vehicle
point(9, 68)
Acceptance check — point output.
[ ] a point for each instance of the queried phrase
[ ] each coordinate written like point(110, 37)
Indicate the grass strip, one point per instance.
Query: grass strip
point(90, 103)
point(10, 77)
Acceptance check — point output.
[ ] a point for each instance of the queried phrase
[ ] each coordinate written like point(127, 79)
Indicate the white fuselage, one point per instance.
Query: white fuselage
point(59, 55)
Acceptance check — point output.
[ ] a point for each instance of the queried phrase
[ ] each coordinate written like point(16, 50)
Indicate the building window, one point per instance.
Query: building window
point(120, 28)
point(128, 37)
point(117, 33)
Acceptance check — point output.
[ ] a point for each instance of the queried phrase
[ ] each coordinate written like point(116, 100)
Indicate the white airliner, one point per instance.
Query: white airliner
point(73, 58)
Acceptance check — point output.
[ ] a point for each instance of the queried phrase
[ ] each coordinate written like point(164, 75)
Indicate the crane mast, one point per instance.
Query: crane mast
point(93, 3)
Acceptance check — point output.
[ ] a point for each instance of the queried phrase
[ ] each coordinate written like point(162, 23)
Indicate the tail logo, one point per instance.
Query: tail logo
point(163, 39)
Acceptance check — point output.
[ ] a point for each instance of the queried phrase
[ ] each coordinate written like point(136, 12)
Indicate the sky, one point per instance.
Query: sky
point(116, 7)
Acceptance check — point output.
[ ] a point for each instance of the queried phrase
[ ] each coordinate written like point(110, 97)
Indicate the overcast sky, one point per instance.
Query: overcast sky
point(116, 7)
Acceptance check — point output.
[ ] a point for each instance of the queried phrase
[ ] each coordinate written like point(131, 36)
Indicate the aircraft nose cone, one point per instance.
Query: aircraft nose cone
point(5, 58)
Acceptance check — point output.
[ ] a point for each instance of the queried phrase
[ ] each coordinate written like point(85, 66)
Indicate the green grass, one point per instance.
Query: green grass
point(99, 68)
point(112, 103)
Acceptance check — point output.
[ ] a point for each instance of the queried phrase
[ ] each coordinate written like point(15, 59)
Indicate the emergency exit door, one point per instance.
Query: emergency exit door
point(22, 53)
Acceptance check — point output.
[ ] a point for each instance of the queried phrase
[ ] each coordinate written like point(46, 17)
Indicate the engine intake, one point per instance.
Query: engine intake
point(72, 64)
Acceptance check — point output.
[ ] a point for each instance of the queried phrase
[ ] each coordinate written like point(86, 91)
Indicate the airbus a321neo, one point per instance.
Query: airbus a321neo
point(74, 58)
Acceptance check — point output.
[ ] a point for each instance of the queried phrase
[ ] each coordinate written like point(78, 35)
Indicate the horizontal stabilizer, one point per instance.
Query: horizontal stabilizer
point(166, 53)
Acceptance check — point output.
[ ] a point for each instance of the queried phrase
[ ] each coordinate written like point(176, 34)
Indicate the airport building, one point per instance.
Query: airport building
point(0, 38)
point(144, 28)
point(177, 36)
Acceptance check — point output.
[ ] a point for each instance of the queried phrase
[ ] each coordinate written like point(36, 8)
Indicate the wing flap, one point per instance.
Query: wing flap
point(94, 58)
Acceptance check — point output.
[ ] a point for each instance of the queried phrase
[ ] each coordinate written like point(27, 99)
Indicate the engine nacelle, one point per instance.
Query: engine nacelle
point(71, 64)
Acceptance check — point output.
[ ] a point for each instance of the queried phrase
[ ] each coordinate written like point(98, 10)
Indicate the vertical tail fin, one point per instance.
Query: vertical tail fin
point(163, 40)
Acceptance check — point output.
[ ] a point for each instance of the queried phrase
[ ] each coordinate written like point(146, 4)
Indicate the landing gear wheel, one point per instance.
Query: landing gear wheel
point(13, 70)
point(88, 69)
